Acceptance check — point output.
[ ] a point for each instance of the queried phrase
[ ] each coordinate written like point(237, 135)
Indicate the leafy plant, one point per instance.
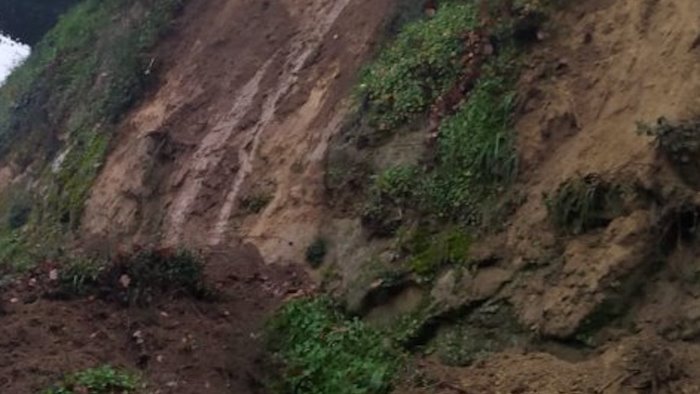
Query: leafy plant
point(316, 252)
point(421, 64)
point(322, 351)
point(100, 380)
point(584, 203)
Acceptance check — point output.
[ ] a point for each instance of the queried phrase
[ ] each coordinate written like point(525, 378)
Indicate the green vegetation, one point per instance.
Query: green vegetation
point(679, 142)
point(154, 272)
point(429, 252)
point(476, 153)
point(584, 203)
point(316, 252)
point(79, 277)
point(422, 63)
point(475, 159)
point(135, 279)
point(100, 380)
point(391, 193)
point(322, 351)
point(59, 109)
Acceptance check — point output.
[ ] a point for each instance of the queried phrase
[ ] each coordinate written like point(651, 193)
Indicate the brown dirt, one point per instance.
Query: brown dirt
point(250, 93)
point(178, 345)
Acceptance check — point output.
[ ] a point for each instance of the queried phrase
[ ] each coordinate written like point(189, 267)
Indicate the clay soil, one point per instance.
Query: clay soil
point(178, 345)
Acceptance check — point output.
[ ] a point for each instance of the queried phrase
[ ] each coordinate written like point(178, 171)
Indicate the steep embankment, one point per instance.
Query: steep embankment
point(573, 271)
point(241, 98)
point(232, 142)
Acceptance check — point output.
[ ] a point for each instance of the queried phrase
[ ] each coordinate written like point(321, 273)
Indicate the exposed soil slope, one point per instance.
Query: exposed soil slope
point(250, 93)
point(226, 154)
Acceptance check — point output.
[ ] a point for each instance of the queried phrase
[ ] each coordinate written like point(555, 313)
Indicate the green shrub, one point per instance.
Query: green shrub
point(316, 252)
point(584, 203)
point(421, 64)
point(100, 380)
point(156, 272)
point(322, 351)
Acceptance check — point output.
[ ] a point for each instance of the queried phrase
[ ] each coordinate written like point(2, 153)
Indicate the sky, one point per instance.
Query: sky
point(11, 54)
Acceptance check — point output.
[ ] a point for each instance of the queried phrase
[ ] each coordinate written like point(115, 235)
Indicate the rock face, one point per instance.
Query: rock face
point(592, 274)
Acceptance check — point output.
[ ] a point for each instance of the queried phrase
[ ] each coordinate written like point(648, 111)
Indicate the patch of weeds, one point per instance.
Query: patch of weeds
point(392, 193)
point(100, 380)
point(476, 153)
point(680, 143)
point(321, 351)
point(152, 273)
point(79, 278)
point(428, 253)
point(422, 63)
point(14, 250)
point(136, 279)
point(584, 203)
point(316, 252)
point(476, 159)
point(255, 203)
point(679, 140)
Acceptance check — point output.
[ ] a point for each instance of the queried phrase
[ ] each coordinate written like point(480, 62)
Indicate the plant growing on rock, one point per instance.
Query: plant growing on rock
point(584, 203)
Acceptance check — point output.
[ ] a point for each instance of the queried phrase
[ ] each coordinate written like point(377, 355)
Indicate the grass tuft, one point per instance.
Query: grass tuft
point(100, 380)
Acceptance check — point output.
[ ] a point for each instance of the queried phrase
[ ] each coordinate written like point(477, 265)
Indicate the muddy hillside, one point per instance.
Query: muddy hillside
point(354, 196)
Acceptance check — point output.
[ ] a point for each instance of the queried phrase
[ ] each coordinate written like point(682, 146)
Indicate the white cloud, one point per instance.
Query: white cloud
point(12, 54)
